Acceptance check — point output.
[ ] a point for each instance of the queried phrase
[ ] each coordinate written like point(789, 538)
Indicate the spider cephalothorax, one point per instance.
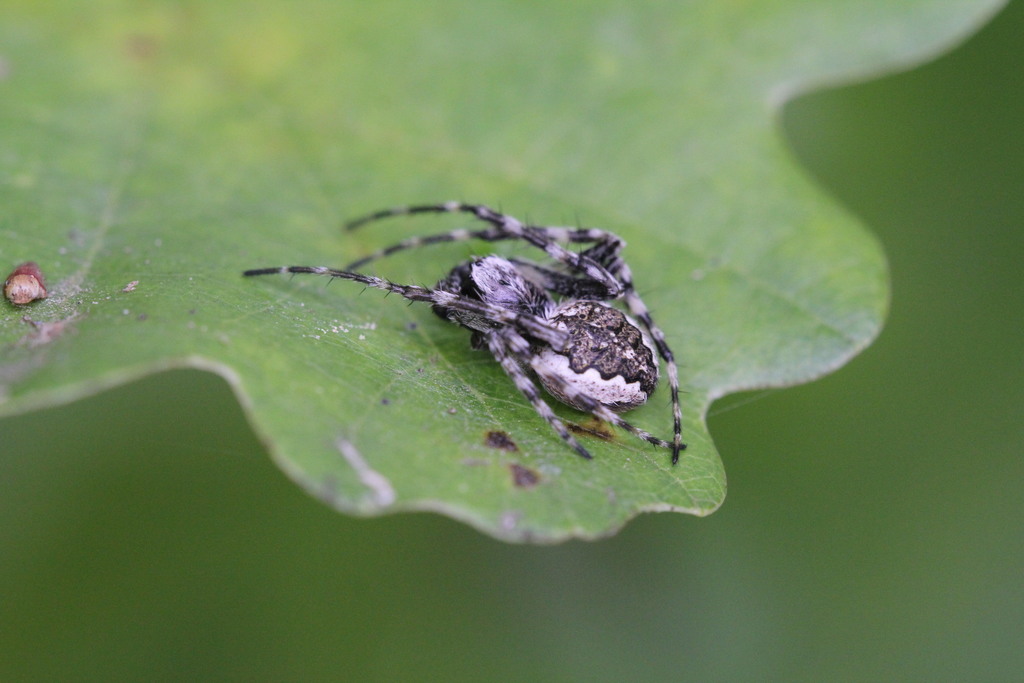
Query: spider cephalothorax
point(551, 321)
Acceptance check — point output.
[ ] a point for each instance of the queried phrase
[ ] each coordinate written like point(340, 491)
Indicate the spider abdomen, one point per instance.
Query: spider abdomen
point(608, 358)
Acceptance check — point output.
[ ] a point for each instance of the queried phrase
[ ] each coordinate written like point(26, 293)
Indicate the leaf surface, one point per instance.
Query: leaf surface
point(151, 152)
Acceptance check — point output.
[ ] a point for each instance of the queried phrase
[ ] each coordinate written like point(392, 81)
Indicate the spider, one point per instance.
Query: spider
point(554, 321)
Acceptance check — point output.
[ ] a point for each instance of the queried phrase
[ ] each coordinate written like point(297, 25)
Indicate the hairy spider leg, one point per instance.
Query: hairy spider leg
point(488, 235)
point(507, 346)
point(560, 283)
point(520, 348)
point(638, 309)
point(506, 227)
point(593, 406)
point(530, 324)
point(499, 220)
point(492, 234)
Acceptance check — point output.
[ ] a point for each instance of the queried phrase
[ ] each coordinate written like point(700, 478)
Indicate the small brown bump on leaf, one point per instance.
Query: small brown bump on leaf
point(593, 427)
point(524, 477)
point(500, 440)
point(25, 284)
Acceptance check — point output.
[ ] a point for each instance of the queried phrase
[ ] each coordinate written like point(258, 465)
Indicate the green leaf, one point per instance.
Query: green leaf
point(151, 152)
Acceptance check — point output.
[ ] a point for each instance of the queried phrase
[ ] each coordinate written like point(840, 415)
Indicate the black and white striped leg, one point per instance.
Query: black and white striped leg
point(609, 242)
point(488, 235)
point(638, 309)
point(593, 406)
point(530, 324)
point(506, 346)
point(560, 283)
point(507, 227)
point(521, 350)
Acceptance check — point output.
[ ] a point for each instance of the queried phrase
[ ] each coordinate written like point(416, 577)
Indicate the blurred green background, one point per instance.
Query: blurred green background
point(873, 527)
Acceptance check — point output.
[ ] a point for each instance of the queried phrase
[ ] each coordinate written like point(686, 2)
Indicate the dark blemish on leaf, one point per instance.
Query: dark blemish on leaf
point(385, 401)
point(592, 427)
point(524, 477)
point(501, 441)
point(410, 326)
point(142, 317)
point(25, 284)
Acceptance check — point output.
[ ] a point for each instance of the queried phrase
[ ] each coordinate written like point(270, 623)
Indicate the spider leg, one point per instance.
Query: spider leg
point(442, 207)
point(491, 234)
point(506, 227)
point(593, 406)
point(499, 220)
point(506, 346)
point(532, 325)
point(520, 348)
point(638, 309)
point(559, 283)
point(488, 235)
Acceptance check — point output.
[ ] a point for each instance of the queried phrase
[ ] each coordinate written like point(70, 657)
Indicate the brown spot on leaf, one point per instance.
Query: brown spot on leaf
point(501, 441)
point(524, 477)
point(593, 427)
point(25, 284)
